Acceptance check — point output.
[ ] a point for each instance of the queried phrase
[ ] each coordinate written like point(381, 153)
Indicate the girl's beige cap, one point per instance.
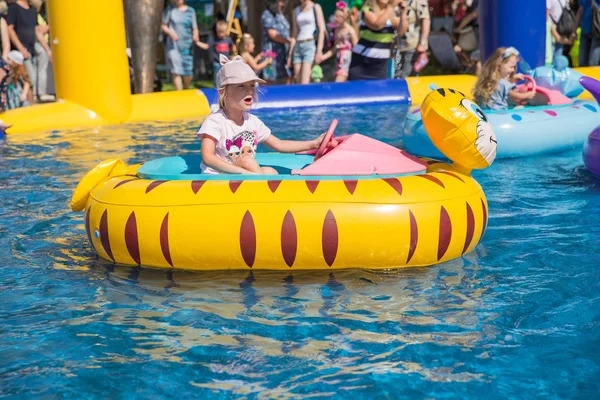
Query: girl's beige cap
point(235, 71)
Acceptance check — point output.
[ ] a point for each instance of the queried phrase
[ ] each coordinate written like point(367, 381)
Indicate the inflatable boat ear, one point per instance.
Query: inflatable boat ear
point(459, 129)
point(95, 176)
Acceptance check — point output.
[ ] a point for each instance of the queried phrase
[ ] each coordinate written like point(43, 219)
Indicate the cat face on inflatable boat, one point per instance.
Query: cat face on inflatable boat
point(459, 128)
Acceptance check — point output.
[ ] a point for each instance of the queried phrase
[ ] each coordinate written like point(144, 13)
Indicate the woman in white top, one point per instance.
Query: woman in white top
point(308, 18)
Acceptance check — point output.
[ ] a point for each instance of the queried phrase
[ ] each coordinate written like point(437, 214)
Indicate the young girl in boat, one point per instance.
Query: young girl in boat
point(496, 86)
point(230, 135)
point(345, 38)
point(247, 47)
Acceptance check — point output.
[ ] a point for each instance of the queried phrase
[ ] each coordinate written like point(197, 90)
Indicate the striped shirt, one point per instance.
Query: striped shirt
point(374, 44)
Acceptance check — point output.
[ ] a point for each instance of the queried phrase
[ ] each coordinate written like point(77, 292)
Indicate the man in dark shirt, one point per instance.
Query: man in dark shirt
point(24, 35)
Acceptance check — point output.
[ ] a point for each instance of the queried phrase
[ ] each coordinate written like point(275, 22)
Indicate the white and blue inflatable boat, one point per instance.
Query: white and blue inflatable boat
point(521, 132)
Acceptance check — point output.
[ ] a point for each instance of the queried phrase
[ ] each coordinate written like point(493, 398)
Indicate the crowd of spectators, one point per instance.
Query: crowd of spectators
point(367, 39)
point(25, 67)
point(363, 39)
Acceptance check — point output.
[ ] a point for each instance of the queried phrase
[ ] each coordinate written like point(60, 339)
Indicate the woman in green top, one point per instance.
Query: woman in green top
point(379, 21)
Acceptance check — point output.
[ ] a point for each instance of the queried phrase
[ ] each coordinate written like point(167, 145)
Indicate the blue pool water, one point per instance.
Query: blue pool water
point(517, 318)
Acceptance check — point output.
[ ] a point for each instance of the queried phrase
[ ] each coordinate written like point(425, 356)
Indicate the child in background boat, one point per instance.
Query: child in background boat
point(247, 47)
point(496, 86)
point(345, 38)
point(230, 135)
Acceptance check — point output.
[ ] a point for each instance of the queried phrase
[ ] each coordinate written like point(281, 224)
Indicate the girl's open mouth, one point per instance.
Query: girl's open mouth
point(248, 100)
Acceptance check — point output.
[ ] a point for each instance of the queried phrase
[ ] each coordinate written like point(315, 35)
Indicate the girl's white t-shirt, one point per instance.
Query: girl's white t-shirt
point(233, 140)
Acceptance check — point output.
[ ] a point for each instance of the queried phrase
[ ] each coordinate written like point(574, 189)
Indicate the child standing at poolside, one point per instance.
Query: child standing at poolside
point(496, 86)
point(345, 38)
point(247, 47)
point(221, 45)
point(231, 134)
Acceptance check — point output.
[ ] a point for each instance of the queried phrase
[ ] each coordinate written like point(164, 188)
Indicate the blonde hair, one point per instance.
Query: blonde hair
point(221, 93)
point(221, 26)
point(490, 76)
point(246, 38)
point(18, 72)
point(347, 15)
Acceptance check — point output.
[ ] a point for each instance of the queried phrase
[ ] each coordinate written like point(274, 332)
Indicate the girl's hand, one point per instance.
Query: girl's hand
point(317, 142)
point(269, 61)
point(23, 98)
point(421, 48)
point(531, 95)
point(174, 36)
point(318, 58)
point(519, 77)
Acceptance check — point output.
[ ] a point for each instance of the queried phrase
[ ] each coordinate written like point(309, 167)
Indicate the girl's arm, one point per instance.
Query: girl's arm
point(377, 22)
point(353, 35)
point(251, 61)
point(210, 159)
point(294, 146)
point(322, 29)
point(25, 93)
point(519, 97)
point(327, 55)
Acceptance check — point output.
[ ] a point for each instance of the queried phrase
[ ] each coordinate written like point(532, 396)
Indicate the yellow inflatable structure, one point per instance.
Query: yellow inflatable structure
point(92, 75)
point(212, 222)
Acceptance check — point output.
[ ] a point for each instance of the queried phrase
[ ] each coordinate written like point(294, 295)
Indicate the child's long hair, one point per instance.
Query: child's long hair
point(490, 76)
point(343, 7)
point(246, 37)
point(19, 73)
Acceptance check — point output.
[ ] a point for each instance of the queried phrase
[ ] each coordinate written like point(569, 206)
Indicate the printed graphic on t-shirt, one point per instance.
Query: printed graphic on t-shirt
point(222, 48)
point(242, 143)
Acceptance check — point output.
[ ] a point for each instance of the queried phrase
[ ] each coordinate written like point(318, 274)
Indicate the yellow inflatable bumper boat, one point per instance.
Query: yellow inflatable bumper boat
point(325, 214)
